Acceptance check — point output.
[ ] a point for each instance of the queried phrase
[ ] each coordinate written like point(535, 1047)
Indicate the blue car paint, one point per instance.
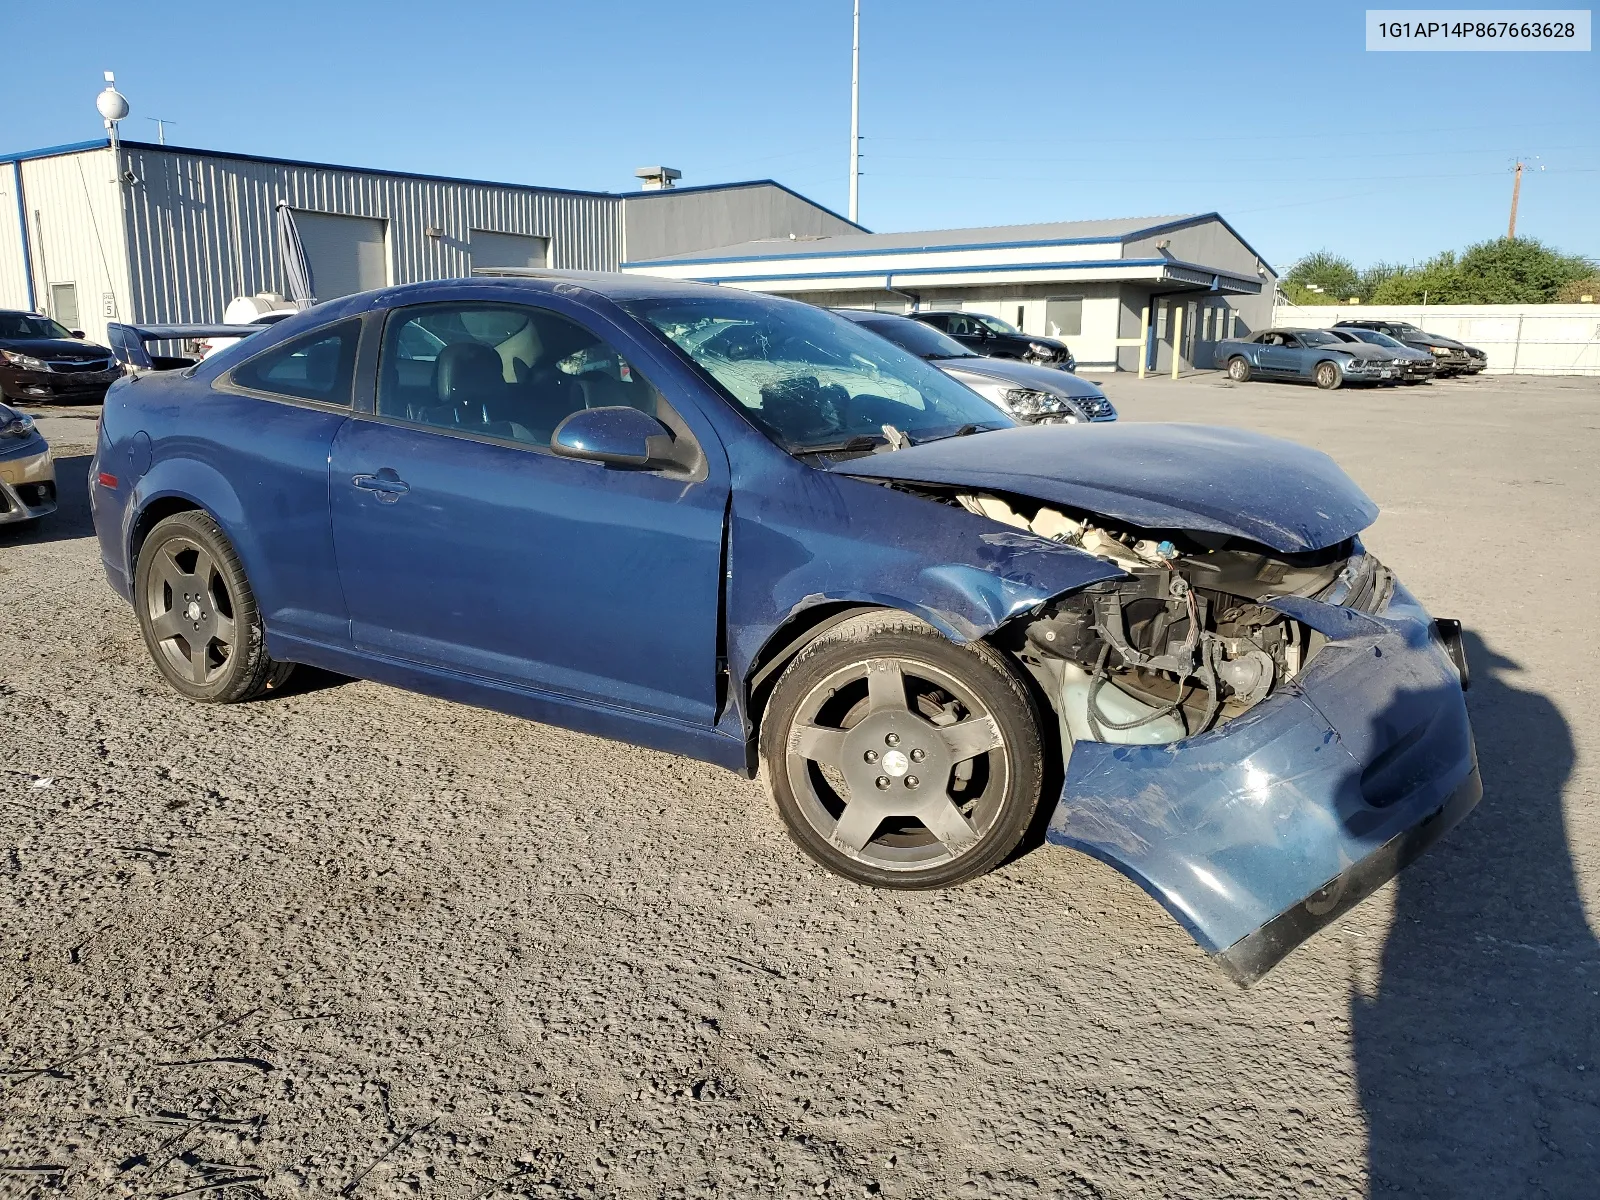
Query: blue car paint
point(1192, 477)
point(767, 539)
point(1232, 828)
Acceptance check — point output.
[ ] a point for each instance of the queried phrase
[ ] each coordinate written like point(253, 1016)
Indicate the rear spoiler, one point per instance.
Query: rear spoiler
point(128, 342)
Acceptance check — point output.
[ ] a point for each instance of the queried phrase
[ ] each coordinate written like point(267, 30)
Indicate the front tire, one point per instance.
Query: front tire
point(1328, 376)
point(1239, 369)
point(899, 759)
point(198, 614)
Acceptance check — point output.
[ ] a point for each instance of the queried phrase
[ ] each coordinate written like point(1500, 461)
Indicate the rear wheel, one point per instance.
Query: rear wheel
point(899, 759)
point(199, 616)
point(1239, 369)
point(1329, 376)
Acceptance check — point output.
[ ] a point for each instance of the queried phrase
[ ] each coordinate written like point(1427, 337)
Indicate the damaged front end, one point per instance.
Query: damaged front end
point(1258, 738)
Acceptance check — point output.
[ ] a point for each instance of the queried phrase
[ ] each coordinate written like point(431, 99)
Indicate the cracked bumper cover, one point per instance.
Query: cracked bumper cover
point(28, 465)
point(1256, 835)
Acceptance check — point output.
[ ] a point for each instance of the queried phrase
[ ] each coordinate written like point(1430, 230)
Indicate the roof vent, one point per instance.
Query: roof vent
point(656, 179)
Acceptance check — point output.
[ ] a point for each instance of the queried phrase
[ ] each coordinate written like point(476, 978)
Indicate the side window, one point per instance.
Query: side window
point(315, 366)
point(503, 371)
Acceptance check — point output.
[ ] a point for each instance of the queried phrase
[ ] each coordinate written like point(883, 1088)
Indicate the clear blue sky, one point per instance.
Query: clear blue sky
point(977, 112)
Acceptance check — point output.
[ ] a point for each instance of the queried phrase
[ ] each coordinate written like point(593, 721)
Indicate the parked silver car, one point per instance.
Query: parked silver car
point(1034, 394)
point(1313, 355)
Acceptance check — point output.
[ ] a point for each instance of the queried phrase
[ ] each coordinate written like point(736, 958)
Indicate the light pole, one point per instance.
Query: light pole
point(113, 106)
point(855, 117)
point(1516, 192)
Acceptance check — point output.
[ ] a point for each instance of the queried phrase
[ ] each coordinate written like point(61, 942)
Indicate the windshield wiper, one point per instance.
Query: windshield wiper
point(862, 441)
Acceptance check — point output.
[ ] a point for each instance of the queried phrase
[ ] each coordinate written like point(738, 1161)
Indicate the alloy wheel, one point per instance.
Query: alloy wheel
point(191, 610)
point(896, 764)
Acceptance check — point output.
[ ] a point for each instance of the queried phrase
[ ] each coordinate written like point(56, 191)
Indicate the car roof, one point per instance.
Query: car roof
point(614, 285)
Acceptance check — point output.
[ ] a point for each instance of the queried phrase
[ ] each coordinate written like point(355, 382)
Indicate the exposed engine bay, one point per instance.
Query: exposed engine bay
point(1187, 641)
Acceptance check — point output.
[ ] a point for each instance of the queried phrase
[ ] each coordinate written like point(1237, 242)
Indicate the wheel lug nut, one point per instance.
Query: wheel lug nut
point(892, 739)
point(871, 756)
point(912, 781)
point(918, 755)
point(883, 782)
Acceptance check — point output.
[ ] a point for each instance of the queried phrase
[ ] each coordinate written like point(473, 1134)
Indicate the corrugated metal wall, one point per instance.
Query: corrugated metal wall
point(76, 235)
point(201, 227)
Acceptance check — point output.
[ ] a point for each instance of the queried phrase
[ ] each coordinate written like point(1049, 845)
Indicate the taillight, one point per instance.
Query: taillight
point(107, 479)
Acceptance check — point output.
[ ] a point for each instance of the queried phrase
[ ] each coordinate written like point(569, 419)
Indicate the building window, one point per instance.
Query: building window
point(64, 304)
point(1161, 319)
point(1063, 316)
point(1021, 312)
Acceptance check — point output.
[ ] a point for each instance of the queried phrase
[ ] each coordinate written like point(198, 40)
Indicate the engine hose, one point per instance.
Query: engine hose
point(1207, 677)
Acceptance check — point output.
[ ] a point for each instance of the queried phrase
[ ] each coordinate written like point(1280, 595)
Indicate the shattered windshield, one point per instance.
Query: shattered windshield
point(811, 380)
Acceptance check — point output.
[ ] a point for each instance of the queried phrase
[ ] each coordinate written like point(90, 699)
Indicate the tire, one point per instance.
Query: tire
point(1239, 369)
point(1328, 376)
point(199, 616)
point(938, 745)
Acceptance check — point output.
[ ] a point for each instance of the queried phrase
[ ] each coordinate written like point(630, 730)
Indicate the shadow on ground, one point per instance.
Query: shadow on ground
point(1479, 1056)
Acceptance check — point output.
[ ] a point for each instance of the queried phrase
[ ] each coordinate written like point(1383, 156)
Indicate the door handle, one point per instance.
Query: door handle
point(388, 486)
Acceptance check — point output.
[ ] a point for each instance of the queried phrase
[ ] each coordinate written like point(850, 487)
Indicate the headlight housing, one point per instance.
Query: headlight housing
point(26, 361)
point(19, 426)
point(1440, 351)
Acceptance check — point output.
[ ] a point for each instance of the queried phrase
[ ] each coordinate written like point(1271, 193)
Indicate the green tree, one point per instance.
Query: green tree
point(1502, 271)
point(1321, 278)
point(1574, 292)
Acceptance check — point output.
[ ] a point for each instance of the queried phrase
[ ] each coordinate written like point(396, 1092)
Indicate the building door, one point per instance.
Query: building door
point(346, 254)
point(64, 304)
point(492, 249)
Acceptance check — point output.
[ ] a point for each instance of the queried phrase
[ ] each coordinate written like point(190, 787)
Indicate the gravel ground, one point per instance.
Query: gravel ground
point(358, 942)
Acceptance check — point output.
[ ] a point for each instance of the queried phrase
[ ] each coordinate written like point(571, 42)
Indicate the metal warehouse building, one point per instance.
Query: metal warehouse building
point(1114, 291)
point(165, 234)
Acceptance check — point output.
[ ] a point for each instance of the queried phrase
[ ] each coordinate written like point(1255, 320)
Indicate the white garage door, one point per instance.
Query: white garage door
point(490, 249)
point(347, 254)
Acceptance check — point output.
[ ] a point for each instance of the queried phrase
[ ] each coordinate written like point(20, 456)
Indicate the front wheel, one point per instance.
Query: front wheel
point(1329, 376)
point(1239, 369)
point(899, 759)
point(198, 614)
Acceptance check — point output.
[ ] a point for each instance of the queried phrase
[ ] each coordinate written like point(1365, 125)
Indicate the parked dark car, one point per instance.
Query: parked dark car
point(1416, 366)
point(1453, 357)
point(27, 472)
point(994, 338)
point(43, 362)
point(1311, 355)
point(745, 529)
point(1032, 394)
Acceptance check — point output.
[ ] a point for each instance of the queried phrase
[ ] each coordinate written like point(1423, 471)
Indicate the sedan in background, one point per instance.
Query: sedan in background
point(1416, 366)
point(27, 473)
point(1032, 394)
point(1452, 357)
point(994, 338)
point(1313, 355)
point(44, 362)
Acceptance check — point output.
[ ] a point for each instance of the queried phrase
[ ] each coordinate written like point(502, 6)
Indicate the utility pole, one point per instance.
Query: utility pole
point(855, 118)
point(1516, 190)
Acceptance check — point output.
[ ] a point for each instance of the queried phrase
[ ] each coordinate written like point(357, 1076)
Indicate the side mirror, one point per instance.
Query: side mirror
point(78, 333)
point(617, 435)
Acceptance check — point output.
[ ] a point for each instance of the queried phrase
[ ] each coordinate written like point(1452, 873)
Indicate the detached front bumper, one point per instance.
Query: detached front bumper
point(27, 485)
point(1256, 835)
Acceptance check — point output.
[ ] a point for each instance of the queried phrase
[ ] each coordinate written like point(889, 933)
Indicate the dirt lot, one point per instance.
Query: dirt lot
point(357, 942)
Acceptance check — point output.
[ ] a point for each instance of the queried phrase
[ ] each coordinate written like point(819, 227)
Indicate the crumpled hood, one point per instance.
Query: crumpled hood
point(1206, 479)
point(1020, 374)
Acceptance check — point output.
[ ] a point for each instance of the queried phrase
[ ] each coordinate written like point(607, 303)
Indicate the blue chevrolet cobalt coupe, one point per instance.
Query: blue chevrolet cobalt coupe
point(747, 530)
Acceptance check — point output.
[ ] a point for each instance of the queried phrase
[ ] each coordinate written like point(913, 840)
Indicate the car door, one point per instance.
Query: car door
point(466, 546)
point(1277, 355)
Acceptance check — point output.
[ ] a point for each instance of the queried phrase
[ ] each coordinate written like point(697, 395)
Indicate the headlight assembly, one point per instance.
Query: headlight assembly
point(1440, 351)
point(26, 361)
point(19, 426)
point(1024, 402)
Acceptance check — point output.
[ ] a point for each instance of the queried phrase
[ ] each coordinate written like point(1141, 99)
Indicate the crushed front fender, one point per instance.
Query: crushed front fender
point(1257, 834)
